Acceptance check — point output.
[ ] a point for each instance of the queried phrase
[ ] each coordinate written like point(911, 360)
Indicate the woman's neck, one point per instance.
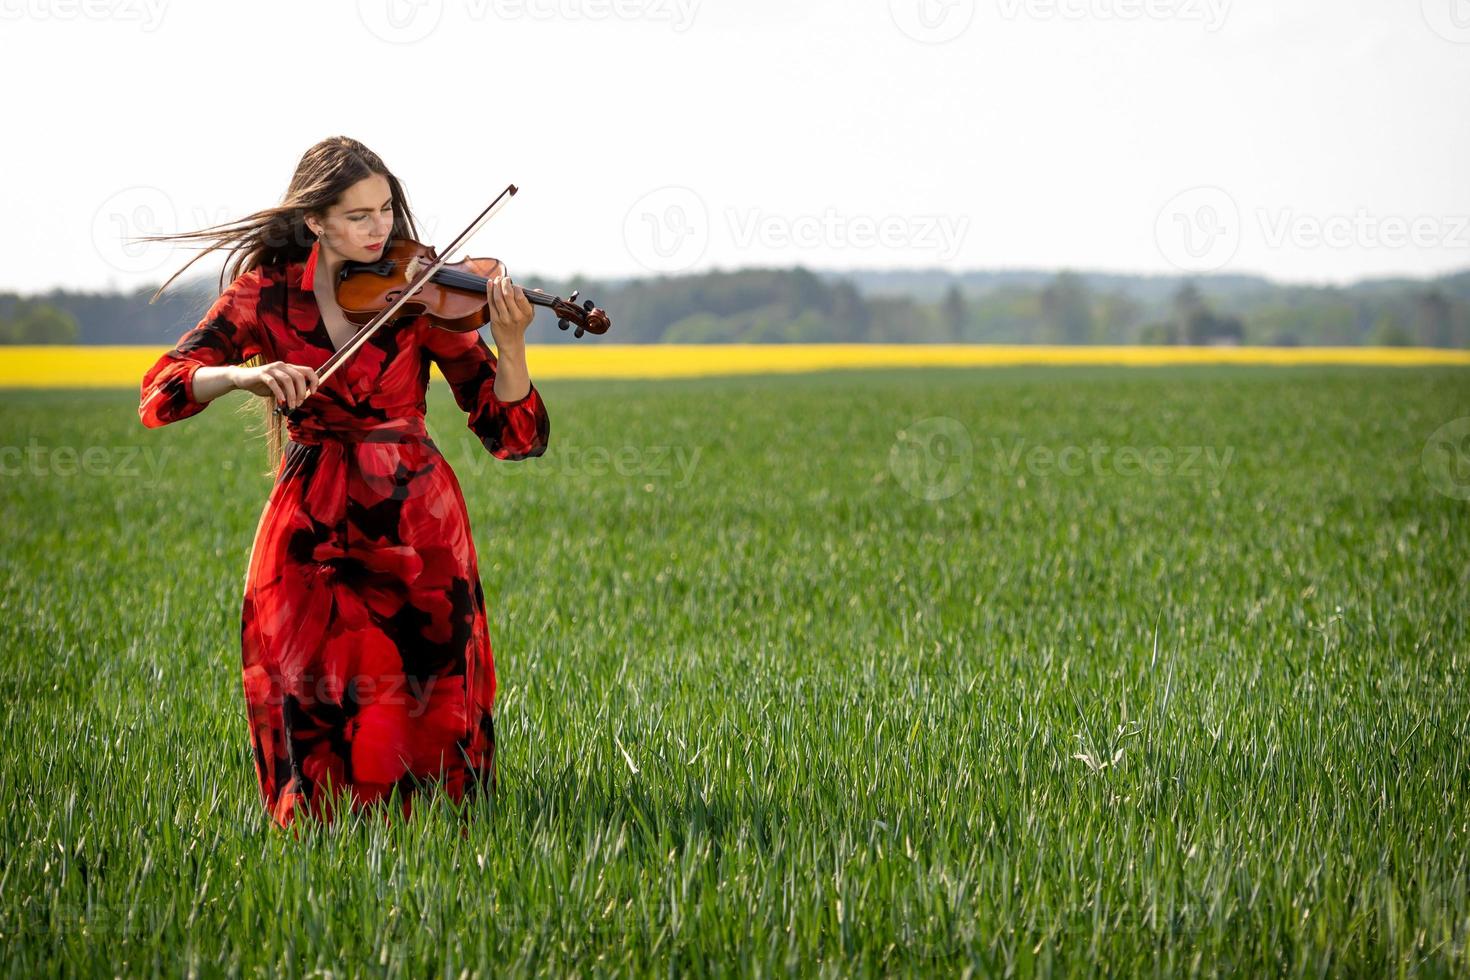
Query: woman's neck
point(328, 263)
point(324, 279)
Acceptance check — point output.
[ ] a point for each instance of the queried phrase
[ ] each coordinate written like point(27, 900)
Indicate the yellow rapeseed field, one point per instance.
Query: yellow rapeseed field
point(107, 366)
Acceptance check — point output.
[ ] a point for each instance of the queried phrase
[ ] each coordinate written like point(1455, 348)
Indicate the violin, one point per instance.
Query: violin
point(455, 295)
point(411, 279)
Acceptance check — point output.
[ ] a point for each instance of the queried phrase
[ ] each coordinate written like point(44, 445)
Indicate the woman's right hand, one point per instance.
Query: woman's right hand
point(289, 383)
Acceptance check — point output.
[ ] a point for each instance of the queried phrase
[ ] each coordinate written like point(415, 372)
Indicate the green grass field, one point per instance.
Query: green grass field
point(793, 681)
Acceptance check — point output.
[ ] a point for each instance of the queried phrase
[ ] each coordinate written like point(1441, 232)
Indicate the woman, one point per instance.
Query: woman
point(367, 665)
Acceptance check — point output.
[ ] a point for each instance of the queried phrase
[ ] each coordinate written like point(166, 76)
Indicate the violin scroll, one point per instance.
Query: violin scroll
point(588, 317)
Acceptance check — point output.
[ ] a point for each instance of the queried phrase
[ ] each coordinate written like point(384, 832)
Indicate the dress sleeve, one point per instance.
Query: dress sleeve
point(507, 430)
point(228, 334)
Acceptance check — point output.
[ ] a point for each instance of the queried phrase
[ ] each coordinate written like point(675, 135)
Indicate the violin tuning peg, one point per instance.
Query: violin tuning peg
point(562, 323)
point(579, 332)
point(574, 296)
point(589, 306)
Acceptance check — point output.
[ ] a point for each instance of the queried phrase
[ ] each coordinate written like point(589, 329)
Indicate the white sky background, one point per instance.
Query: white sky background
point(1331, 137)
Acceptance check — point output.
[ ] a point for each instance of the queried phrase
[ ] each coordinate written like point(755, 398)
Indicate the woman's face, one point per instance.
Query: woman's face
point(361, 219)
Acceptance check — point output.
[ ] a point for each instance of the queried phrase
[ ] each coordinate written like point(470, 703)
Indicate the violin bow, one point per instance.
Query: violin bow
point(365, 334)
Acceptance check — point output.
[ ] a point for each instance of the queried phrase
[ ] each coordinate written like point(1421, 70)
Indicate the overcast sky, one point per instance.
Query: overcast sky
point(1312, 140)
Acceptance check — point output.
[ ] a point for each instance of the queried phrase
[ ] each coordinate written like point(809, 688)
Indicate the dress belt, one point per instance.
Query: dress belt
point(407, 428)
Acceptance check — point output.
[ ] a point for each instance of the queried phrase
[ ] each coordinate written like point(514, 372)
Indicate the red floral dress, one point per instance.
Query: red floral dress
point(367, 663)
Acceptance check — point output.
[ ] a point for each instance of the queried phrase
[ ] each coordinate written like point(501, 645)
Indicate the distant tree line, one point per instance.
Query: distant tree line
point(108, 317)
point(899, 306)
point(29, 322)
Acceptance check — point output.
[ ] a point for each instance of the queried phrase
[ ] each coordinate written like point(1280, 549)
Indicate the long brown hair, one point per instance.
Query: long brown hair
point(277, 235)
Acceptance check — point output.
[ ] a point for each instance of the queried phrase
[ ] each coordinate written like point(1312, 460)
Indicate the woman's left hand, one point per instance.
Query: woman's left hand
point(510, 312)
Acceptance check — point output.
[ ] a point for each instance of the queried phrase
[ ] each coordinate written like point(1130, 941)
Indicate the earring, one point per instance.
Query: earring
point(308, 272)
